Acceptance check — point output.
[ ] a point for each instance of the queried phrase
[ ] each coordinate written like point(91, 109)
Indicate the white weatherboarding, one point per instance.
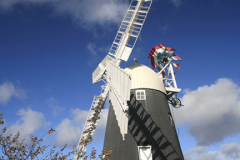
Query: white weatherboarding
point(113, 76)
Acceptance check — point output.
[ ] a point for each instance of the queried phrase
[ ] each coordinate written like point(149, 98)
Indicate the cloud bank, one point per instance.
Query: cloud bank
point(229, 151)
point(82, 12)
point(69, 130)
point(8, 91)
point(211, 112)
point(29, 122)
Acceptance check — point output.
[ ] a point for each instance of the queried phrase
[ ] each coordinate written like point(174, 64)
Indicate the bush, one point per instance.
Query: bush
point(14, 148)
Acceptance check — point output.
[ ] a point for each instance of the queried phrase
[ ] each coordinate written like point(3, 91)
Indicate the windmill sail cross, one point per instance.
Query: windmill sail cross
point(121, 49)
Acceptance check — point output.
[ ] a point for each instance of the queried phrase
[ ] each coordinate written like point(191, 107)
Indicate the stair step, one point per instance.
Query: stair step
point(144, 7)
point(136, 27)
point(137, 23)
point(100, 97)
point(121, 32)
point(141, 15)
point(125, 25)
point(134, 35)
point(131, 10)
point(141, 11)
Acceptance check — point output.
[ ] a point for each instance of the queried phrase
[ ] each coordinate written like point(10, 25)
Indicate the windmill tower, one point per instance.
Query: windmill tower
point(151, 129)
point(140, 124)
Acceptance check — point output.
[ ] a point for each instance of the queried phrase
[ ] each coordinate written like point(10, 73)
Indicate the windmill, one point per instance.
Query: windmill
point(126, 88)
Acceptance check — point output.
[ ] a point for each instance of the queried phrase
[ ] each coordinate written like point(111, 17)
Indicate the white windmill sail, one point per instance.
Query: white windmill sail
point(126, 37)
point(121, 115)
point(120, 85)
point(98, 72)
point(130, 29)
point(121, 49)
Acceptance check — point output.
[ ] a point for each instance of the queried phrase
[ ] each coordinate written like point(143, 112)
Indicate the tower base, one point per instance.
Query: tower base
point(150, 124)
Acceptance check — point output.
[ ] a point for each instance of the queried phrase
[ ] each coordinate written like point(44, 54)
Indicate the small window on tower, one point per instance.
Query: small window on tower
point(145, 152)
point(140, 95)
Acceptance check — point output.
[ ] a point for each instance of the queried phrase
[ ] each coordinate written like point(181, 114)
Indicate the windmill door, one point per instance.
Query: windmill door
point(145, 152)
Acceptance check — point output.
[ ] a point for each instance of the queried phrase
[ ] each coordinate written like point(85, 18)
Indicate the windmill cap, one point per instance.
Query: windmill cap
point(144, 77)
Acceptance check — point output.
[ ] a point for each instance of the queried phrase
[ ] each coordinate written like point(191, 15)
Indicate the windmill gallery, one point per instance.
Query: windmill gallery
point(140, 124)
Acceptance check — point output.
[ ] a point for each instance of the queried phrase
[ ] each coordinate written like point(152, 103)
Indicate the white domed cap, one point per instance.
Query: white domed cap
point(144, 77)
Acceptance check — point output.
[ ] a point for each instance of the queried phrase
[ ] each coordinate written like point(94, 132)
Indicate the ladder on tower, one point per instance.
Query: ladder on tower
point(91, 122)
point(130, 29)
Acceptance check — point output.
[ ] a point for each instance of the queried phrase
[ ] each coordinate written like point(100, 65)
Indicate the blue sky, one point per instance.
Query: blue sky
point(49, 49)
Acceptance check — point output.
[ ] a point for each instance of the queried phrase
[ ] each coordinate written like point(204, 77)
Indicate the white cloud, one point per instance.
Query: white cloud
point(177, 2)
point(92, 11)
point(67, 133)
point(84, 12)
point(53, 103)
point(69, 130)
point(92, 48)
point(8, 90)
point(202, 153)
point(94, 53)
point(197, 150)
point(79, 116)
point(30, 121)
point(229, 151)
point(211, 112)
